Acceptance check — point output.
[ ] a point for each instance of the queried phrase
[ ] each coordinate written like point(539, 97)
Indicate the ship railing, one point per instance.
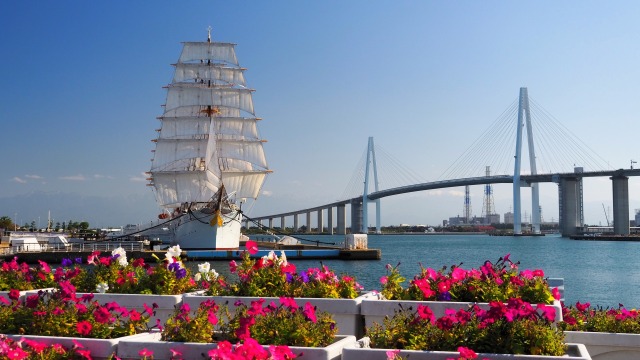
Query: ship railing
point(83, 247)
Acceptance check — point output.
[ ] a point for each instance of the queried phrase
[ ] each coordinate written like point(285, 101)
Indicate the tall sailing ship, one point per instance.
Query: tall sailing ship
point(209, 156)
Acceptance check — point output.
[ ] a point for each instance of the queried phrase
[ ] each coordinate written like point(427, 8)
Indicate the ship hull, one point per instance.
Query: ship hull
point(194, 231)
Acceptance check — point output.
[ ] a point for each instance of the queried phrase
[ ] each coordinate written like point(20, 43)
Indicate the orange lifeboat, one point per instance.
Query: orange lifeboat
point(163, 216)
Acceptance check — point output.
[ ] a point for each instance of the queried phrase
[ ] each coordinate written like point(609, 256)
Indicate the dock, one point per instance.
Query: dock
point(55, 254)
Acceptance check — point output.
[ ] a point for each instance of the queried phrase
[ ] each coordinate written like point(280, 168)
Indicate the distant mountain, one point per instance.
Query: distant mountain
point(99, 211)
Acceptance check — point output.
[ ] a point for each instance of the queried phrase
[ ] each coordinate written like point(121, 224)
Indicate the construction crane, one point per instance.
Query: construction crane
point(605, 215)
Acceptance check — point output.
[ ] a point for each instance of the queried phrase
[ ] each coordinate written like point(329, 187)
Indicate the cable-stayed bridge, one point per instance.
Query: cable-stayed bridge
point(570, 194)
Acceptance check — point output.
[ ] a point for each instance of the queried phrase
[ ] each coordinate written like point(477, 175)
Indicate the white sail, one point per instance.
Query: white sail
point(245, 184)
point(201, 73)
point(202, 51)
point(195, 95)
point(208, 135)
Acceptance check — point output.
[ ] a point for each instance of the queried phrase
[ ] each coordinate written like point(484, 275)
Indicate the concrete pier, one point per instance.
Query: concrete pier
point(620, 204)
point(570, 200)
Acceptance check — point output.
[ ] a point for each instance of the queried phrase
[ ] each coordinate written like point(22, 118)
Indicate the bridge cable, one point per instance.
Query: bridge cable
point(265, 228)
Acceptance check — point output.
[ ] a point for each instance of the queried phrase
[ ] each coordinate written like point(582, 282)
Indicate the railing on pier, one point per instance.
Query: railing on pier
point(74, 247)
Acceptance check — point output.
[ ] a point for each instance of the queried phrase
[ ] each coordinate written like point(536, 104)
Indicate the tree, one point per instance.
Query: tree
point(6, 223)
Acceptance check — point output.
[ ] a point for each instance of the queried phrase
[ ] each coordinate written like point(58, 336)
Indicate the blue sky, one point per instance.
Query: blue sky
point(81, 84)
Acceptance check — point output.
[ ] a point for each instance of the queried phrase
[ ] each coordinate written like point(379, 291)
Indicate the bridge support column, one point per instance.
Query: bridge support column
point(270, 223)
point(342, 219)
point(330, 220)
point(620, 204)
point(308, 222)
point(296, 226)
point(320, 221)
point(356, 216)
point(570, 198)
point(283, 226)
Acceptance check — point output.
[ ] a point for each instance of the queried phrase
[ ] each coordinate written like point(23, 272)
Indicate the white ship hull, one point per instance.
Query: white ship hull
point(194, 231)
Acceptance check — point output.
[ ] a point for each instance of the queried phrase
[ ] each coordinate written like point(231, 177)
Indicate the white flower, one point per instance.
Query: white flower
point(214, 274)
point(283, 258)
point(204, 267)
point(102, 288)
point(172, 252)
point(121, 256)
point(272, 256)
point(197, 277)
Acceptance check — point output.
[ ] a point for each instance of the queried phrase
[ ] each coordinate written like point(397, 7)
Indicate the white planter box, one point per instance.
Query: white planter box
point(607, 346)
point(360, 350)
point(376, 310)
point(346, 312)
point(128, 349)
point(100, 348)
point(166, 303)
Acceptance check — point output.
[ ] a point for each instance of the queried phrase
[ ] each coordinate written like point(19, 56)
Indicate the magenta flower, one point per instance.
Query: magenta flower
point(252, 247)
point(145, 352)
point(83, 327)
point(466, 353)
point(310, 312)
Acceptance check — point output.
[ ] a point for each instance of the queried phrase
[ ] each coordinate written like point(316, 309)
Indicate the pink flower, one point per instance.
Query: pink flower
point(425, 313)
point(289, 302)
point(252, 247)
point(17, 354)
point(102, 315)
point(556, 293)
point(466, 353)
point(45, 266)
point(548, 312)
point(83, 327)
point(175, 354)
point(134, 315)
point(212, 318)
point(310, 312)
point(383, 280)
point(233, 266)
point(391, 354)
point(14, 294)
point(538, 273)
point(582, 307)
point(281, 352)
point(145, 352)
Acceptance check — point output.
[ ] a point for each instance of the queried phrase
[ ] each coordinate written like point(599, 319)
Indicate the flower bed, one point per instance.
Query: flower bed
point(458, 289)
point(360, 350)
point(165, 350)
point(62, 313)
point(512, 328)
point(607, 333)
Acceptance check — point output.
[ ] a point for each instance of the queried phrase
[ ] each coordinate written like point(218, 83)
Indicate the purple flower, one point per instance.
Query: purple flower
point(78, 260)
point(444, 296)
point(305, 277)
point(66, 262)
point(289, 277)
point(181, 273)
point(174, 267)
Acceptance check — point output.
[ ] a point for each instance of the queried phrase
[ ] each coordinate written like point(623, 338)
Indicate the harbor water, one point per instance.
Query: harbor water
point(605, 273)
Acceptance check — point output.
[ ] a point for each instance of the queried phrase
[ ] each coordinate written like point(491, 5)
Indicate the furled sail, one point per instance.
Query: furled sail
point(209, 133)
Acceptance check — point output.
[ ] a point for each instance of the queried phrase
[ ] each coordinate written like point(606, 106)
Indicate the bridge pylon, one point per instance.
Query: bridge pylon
point(524, 119)
point(371, 165)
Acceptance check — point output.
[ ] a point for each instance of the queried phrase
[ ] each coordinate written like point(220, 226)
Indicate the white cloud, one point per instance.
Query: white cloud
point(100, 176)
point(35, 177)
point(141, 178)
point(79, 177)
point(267, 193)
point(18, 180)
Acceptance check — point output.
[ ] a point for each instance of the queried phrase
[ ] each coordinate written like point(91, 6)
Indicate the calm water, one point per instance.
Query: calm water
point(601, 272)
